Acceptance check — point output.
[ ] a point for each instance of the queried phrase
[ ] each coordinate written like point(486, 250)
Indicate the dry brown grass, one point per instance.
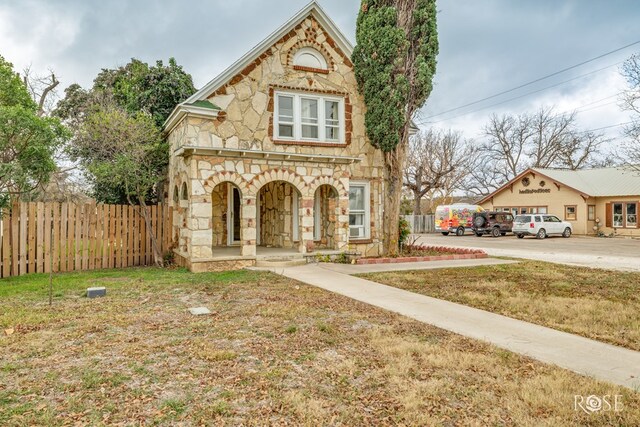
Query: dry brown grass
point(273, 352)
point(598, 304)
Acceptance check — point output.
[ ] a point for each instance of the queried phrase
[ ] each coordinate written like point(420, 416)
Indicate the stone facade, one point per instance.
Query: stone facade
point(245, 122)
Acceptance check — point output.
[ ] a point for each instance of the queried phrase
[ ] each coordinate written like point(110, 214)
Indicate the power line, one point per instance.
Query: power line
point(580, 110)
point(602, 99)
point(522, 96)
point(535, 81)
point(608, 127)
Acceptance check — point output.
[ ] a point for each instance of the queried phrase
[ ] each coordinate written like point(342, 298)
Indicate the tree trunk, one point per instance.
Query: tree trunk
point(393, 173)
point(157, 254)
point(417, 203)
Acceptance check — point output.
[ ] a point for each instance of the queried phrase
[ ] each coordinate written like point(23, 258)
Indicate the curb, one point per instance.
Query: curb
point(449, 254)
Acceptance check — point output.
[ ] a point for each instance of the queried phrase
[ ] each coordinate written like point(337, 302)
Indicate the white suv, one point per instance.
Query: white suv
point(540, 225)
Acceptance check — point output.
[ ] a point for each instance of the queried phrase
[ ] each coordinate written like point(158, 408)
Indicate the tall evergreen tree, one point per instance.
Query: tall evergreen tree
point(394, 61)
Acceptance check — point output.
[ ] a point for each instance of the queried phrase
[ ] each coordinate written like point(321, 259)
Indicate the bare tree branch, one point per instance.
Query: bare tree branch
point(435, 160)
point(41, 89)
point(630, 101)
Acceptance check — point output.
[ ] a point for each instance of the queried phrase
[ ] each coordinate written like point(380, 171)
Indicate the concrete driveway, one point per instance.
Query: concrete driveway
point(614, 254)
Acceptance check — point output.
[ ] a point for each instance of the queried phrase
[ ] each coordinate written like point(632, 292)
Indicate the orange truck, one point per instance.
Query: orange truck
point(456, 218)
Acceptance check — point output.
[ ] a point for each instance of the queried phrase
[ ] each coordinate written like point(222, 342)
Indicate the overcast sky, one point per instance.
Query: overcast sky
point(486, 46)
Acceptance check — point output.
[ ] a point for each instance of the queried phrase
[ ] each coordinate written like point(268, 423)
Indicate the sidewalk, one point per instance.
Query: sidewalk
point(601, 361)
point(408, 266)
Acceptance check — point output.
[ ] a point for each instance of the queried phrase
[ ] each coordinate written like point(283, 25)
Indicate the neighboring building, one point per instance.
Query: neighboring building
point(607, 198)
point(273, 153)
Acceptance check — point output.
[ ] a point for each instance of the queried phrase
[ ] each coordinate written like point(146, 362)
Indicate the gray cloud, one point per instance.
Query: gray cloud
point(485, 46)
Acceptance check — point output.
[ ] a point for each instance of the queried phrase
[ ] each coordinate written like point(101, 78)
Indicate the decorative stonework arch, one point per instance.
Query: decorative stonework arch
point(328, 180)
point(225, 176)
point(277, 174)
point(312, 44)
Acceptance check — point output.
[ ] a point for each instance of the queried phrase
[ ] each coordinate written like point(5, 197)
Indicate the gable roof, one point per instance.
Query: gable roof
point(616, 181)
point(313, 9)
point(600, 182)
point(195, 100)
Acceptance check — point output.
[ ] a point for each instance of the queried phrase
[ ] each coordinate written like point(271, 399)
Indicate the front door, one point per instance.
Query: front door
point(233, 218)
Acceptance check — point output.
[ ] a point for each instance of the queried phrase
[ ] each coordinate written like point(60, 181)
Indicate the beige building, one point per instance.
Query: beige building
point(271, 156)
point(594, 200)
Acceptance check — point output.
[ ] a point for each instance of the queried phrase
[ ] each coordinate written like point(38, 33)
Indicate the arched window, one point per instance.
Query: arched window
point(185, 193)
point(175, 194)
point(310, 58)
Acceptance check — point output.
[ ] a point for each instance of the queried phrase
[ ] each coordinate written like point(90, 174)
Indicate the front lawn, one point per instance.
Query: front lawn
point(599, 304)
point(273, 352)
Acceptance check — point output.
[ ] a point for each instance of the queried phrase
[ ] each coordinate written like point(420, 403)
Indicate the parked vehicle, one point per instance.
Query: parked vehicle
point(456, 218)
point(494, 223)
point(541, 226)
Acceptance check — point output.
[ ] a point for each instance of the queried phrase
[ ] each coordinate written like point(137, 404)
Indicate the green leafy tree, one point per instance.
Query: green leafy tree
point(27, 141)
point(134, 88)
point(394, 62)
point(120, 150)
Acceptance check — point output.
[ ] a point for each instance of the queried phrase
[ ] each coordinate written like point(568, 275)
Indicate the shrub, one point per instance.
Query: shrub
point(403, 232)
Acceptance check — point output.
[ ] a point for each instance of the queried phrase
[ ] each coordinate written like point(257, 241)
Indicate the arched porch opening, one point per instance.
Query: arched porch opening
point(325, 217)
point(226, 220)
point(279, 216)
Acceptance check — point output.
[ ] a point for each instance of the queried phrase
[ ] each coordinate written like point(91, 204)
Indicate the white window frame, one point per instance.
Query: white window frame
point(297, 119)
point(367, 209)
point(621, 215)
point(627, 215)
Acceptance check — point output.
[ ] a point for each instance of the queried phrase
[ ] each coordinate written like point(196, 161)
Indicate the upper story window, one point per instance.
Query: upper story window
point(307, 117)
point(310, 58)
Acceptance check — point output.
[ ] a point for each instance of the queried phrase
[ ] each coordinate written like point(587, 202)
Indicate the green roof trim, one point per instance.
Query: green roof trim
point(205, 104)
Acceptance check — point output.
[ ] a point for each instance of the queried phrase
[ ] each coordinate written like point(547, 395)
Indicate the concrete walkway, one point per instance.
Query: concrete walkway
point(598, 360)
point(408, 266)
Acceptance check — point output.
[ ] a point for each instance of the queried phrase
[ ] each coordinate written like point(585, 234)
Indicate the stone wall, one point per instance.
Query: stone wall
point(179, 172)
point(219, 214)
point(276, 204)
point(328, 216)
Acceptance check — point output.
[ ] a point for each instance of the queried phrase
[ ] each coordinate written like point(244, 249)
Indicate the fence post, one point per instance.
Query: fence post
point(6, 242)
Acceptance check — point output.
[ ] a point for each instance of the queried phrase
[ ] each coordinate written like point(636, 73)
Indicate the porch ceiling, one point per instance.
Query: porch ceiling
point(187, 151)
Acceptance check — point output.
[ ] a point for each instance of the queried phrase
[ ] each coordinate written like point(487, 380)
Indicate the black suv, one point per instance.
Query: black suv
point(495, 223)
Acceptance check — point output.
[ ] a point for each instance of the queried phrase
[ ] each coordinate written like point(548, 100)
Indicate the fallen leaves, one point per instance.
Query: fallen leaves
point(142, 359)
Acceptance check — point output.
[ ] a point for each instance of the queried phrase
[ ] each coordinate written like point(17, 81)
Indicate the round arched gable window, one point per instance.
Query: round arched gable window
point(310, 58)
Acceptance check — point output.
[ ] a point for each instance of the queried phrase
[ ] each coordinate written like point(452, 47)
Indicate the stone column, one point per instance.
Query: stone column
point(306, 223)
point(199, 223)
point(248, 231)
point(342, 224)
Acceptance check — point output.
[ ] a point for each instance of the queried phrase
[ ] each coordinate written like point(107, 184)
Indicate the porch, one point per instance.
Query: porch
point(285, 222)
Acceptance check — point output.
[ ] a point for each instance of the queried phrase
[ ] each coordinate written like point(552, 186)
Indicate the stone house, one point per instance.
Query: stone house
point(271, 156)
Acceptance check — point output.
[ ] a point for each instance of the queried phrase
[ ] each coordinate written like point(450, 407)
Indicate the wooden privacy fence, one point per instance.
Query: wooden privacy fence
point(421, 223)
point(44, 237)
